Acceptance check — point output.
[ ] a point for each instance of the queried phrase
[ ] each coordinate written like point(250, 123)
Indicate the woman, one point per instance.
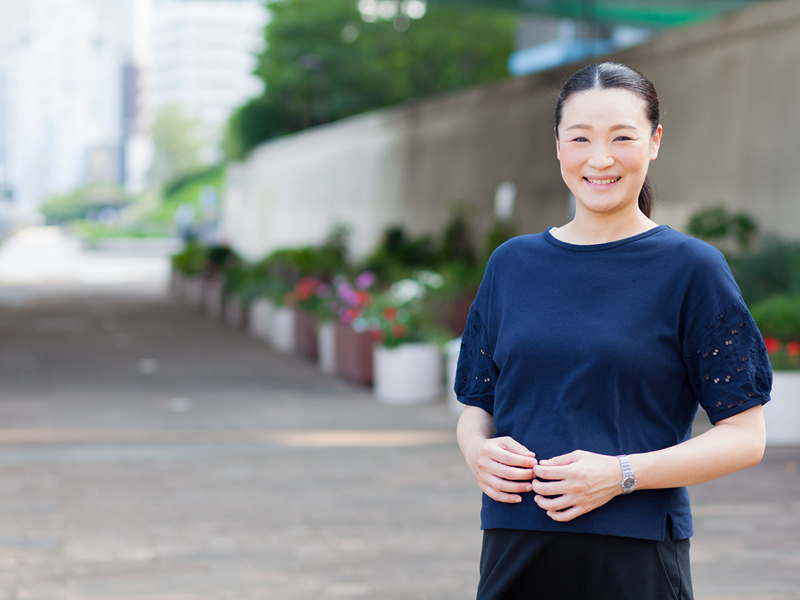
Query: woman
point(586, 353)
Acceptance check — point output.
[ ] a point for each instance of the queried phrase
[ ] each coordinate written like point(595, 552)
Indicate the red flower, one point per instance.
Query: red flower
point(399, 330)
point(363, 297)
point(793, 349)
point(377, 335)
point(773, 345)
point(390, 313)
point(304, 288)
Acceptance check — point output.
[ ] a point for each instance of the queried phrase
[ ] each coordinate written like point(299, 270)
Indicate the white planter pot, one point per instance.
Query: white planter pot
point(326, 347)
point(452, 350)
point(408, 374)
point(281, 332)
point(192, 288)
point(260, 318)
point(782, 412)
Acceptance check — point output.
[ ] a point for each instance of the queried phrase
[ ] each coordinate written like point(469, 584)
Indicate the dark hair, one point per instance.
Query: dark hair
point(609, 75)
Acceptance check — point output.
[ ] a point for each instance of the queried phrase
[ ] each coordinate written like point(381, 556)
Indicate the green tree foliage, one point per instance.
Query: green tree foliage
point(178, 142)
point(82, 201)
point(323, 63)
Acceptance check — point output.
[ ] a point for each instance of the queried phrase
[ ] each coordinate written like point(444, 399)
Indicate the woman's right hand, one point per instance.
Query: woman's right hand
point(502, 466)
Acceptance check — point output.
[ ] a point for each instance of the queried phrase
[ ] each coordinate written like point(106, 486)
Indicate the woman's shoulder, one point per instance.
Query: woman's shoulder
point(690, 251)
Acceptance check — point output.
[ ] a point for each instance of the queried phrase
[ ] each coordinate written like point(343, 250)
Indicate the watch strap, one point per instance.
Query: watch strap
point(628, 482)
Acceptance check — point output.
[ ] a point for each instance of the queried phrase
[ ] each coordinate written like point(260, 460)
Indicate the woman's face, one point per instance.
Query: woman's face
point(605, 145)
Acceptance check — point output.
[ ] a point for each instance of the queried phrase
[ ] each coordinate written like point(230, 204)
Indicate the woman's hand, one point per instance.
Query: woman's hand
point(502, 466)
point(579, 481)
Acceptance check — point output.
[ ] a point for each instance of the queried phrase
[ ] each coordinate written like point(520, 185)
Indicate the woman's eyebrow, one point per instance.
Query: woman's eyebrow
point(612, 128)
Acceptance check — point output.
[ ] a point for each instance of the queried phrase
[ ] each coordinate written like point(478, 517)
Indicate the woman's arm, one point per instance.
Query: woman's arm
point(583, 481)
point(502, 466)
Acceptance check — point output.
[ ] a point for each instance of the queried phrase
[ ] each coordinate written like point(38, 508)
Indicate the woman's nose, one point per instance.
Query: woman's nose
point(601, 157)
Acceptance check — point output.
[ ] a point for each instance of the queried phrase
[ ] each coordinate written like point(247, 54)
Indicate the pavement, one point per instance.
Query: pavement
point(148, 452)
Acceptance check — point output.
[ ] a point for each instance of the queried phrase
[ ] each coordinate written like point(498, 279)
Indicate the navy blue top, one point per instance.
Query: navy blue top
point(608, 348)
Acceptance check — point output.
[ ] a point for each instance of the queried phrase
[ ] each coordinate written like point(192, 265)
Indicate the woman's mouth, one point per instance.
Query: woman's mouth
point(602, 182)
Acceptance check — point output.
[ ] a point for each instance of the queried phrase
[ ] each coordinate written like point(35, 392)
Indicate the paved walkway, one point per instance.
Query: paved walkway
point(147, 452)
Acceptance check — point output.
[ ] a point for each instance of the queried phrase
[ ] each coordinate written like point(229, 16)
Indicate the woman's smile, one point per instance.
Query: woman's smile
point(601, 183)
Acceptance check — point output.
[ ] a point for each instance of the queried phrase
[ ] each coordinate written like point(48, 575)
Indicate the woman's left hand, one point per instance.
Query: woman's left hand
point(576, 483)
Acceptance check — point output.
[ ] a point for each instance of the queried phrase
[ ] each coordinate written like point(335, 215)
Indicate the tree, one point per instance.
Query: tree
point(323, 63)
point(178, 143)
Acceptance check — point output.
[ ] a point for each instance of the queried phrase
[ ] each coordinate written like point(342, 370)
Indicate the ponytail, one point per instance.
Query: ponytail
point(647, 198)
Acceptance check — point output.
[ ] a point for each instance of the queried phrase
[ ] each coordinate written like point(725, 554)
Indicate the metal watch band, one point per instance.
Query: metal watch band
point(628, 482)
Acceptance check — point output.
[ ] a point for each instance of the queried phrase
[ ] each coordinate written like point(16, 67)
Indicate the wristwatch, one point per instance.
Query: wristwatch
point(628, 483)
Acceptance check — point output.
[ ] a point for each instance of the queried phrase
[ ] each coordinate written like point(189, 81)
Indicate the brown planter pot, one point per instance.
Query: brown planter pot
point(354, 354)
point(305, 330)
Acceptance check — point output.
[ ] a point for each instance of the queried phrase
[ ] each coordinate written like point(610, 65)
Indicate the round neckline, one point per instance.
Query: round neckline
point(604, 246)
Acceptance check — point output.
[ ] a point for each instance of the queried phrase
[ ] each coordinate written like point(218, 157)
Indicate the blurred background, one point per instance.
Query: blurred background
point(238, 245)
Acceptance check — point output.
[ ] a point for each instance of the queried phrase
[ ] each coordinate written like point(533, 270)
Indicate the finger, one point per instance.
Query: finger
point(500, 496)
point(549, 488)
point(506, 457)
point(559, 461)
point(565, 515)
point(513, 445)
point(503, 485)
point(506, 472)
point(553, 504)
point(550, 473)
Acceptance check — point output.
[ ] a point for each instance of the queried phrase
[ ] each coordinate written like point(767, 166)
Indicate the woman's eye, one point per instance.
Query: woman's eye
point(623, 138)
point(580, 139)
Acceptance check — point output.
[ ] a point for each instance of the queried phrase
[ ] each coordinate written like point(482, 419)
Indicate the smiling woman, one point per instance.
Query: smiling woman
point(586, 354)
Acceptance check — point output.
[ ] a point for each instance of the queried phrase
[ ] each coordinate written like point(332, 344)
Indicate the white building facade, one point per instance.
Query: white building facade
point(204, 54)
point(63, 103)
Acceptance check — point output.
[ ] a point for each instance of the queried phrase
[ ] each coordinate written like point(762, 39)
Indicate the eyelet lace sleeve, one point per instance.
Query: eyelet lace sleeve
point(728, 365)
point(476, 374)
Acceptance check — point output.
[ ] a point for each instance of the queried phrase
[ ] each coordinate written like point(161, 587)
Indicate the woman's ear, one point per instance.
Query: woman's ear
point(655, 143)
point(558, 143)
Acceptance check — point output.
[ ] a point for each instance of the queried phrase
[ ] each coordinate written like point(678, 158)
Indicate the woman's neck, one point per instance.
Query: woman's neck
point(591, 228)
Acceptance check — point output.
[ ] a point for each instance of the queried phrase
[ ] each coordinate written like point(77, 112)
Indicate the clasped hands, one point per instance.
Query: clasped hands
point(566, 486)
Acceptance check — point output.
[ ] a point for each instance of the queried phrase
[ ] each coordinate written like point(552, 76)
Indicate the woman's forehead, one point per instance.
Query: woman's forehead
point(603, 105)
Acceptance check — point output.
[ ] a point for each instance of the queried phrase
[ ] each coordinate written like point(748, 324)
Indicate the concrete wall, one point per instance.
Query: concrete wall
point(730, 96)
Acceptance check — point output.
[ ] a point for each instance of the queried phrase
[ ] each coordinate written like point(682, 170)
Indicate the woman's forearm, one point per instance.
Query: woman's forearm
point(473, 422)
point(733, 444)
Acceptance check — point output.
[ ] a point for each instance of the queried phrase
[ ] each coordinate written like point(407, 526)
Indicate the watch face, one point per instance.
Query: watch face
point(628, 484)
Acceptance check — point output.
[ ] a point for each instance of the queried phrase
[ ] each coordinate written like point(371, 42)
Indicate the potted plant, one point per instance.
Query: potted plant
point(353, 343)
point(408, 362)
point(778, 319)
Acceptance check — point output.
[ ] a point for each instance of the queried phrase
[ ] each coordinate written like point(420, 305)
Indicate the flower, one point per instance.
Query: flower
point(429, 278)
point(305, 288)
point(365, 280)
point(407, 290)
point(390, 313)
point(399, 330)
point(377, 335)
point(772, 344)
point(793, 349)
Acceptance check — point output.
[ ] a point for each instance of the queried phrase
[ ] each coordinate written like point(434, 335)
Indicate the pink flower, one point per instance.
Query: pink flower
point(365, 280)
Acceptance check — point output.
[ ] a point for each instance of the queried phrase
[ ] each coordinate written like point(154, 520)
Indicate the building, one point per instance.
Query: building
point(63, 102)
point(204, 54)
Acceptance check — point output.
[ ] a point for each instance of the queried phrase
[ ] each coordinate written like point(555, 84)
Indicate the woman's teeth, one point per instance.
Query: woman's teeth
point(602, 181)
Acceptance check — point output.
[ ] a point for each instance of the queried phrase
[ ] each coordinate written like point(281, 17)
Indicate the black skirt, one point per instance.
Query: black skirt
point(533, 565)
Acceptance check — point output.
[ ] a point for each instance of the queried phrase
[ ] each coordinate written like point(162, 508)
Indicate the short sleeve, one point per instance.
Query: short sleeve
point(728, 365)
point(476, 374)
